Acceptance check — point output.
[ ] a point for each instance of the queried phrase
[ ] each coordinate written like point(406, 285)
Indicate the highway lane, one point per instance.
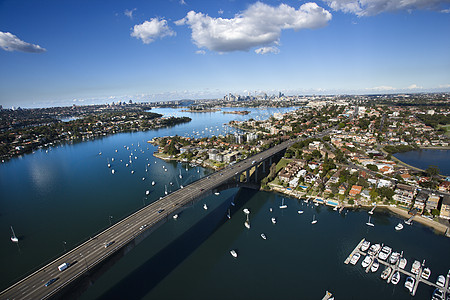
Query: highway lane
point(93, 251)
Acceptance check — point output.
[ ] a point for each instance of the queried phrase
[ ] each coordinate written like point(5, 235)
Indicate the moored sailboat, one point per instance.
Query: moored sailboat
point(14, 238)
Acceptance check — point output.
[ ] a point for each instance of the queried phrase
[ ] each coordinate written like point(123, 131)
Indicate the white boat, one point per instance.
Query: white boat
point(147, 192)
point(386, 272)
point(375, 265)
point(246, 211)
point(373, 250)
point(153, 183)
point(415, 267)
point(217, 193)
point(181, 176)
point(132, 172)
point(402, 263)
point(365, 245)
point(112, 171)
point(438, 295)
point(399, 227)
point(409, 283)
point(300, 212)
point(282, 204)
point(109, 165)
point(440, 281)
point(165, 189)
point(175, 216)
point(274, 221)
point(394, 257)
point(205, 207)
point(14, 238)
point(270, 209)
point(247, 223)
point(385, 252)
point(314, 221)
point(369, 223)
point(355, 258)
point(234, 253)
point(426, 273)
point(263, 236)
point(366, 262)
point(395, 278)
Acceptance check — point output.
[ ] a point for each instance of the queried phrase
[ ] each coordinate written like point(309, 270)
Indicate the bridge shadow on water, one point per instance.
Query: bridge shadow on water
point(141, 281)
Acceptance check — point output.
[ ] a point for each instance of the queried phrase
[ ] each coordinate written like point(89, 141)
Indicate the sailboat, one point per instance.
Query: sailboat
point(14, 238)
point(181, 176)
point(165, 189)
point(229, 214)
point(147, 192)
point(247, 223)
point(282, 204)
point(153, 183)
point(369, 224)
point(314, 221)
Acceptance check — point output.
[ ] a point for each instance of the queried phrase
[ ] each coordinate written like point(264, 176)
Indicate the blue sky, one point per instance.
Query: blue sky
point(56, 53)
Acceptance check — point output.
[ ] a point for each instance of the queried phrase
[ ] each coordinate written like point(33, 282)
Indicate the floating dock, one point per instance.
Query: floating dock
point(417, 278)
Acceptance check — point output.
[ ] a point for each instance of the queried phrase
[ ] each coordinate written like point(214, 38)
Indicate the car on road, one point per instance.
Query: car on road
point(160, 211)
point(108, 244)
point(143, 226)
point(51, 281)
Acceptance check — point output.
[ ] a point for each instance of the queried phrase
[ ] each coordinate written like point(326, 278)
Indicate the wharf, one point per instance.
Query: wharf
point(417, 278)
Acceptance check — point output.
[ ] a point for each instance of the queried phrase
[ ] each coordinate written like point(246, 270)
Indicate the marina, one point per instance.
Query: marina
point(413, 278)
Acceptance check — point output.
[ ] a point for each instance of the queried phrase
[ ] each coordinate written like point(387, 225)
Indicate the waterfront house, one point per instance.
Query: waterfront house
point(404, 194)
point(355, 190)
point(444, 186)
point(420, 201)
point(432, 202)
point(445, 208)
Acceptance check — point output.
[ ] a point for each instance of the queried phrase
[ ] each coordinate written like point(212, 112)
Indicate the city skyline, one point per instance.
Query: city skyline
point(59, 54)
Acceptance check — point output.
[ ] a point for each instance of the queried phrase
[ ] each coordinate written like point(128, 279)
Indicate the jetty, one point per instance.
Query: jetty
point(417, 277)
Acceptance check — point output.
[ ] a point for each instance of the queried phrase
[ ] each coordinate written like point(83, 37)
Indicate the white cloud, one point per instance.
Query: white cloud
point(10, 42)
point(202, 52)
point(265, 50)
point(129, 13)
point(151, 30)
point(220, 12)
point(381, 88)
point(414, 86)
point(259, 25)
point(182, 2)
point(374, 7)
point(445, 11)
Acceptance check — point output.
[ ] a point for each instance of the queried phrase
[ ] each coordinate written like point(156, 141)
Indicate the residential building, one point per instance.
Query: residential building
point(432, 202)
point(404, 194)
point(445, 208)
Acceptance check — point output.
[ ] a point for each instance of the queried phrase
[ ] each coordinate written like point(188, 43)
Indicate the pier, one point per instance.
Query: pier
point(417, 278)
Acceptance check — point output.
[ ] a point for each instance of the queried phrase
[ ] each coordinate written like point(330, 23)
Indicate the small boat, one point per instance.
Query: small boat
point(409, 283)
point(386, 272)
point(274, 221)
point(143, 178)
point(415, 267)
point(217, 193)
point(369, 223)
point(440, 281)
point(402, 263)
point(263, 236)
point(365, 245)
point(14, 238)
point(109, 165)
point(180, 176)
point(246, 211)
point(270, 209)
point(314, 221)
point(205, 207)
point(228, 214)
point(175, 216)
point(247, 223)
point(233, 253)
point(328, 296)
point(112, 171)
point(282, 204)
point(437, 295)
point(355, 258)
point(395, 278)
point(153, 183)
point(132, 172)
point(147, 192)
point(426, 273)
point(399, 227)
point(373, 250)
point(375, 265)
point(367, 261)
point(385, 252)
point(300, 212)
point(394, 258)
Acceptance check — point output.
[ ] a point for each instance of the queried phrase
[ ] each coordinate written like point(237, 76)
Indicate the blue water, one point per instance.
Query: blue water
point(58, 199)
point(423, 158)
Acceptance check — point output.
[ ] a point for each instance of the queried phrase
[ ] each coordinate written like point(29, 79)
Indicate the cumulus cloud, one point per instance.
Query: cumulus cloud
point(202, 52)
point(151, 30)
point(374, 7)
point(10, 42)
point(259, 25)
point(129, 12)
point(265, 50)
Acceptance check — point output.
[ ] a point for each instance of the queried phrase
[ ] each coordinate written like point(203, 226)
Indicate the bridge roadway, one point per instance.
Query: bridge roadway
point(94, 251)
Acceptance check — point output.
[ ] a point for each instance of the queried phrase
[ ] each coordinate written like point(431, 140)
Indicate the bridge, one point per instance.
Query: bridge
point(110, 245)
